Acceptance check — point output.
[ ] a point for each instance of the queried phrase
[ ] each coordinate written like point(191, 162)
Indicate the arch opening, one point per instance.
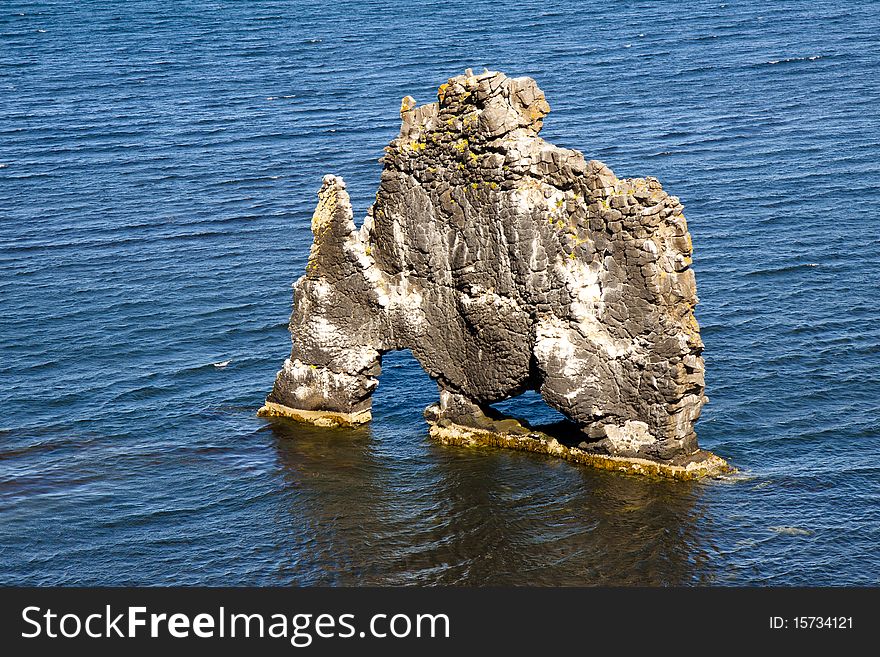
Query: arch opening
point(530, 409)
point(404, 391)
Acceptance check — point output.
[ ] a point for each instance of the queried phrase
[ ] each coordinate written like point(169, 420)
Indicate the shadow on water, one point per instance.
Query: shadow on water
point(384, 504)
point(329, 523)
point(525, 519)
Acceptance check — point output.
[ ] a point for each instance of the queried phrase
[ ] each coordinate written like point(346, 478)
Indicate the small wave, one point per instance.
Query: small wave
point(782, 270)
point(791, 60)
point(736, 477)
point(3, 166)
point(792, 531)
point(198, 368)
point(221, 364)
point(675, 134)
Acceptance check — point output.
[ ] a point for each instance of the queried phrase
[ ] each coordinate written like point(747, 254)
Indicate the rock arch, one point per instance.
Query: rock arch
point(505, 263)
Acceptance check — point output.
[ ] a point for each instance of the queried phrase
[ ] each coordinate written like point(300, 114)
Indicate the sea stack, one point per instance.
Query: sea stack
point(505, 264)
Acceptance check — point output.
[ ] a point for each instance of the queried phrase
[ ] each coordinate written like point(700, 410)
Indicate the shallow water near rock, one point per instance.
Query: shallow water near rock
point(158, 170)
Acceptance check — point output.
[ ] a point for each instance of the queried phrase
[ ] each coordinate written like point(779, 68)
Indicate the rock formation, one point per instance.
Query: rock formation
point(505, 264)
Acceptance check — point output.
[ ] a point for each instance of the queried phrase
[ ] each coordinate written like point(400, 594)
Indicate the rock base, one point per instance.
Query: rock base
point(695, 466)
point(318, 418)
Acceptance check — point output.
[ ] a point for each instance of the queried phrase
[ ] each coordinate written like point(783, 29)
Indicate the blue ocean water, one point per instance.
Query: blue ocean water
point(158, 169)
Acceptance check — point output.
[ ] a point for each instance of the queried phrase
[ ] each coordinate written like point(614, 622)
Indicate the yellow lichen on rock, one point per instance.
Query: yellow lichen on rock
point(707, 465)
point(407, 104)
point(318, 418)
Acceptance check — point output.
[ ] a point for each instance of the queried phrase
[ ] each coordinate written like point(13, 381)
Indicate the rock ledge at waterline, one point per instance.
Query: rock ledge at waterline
point(505, 264)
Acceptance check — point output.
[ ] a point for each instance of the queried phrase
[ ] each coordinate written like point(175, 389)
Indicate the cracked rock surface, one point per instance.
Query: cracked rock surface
point(505, 264)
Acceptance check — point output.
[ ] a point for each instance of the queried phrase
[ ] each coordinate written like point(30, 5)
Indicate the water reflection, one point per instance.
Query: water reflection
point(330, 521)
point(373, 506)
point(548, 522)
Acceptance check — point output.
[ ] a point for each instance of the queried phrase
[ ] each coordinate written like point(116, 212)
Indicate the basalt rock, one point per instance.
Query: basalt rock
point(505, 264)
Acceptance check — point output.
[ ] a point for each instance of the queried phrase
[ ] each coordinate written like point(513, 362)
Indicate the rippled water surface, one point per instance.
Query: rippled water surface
point(158, 169)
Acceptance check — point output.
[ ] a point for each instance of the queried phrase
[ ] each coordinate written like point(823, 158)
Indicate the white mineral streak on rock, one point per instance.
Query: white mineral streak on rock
point(552, 340)
point(583, 283)
point(631, 437)
point(322, 290)
point(357, 359)
point(323, 331)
